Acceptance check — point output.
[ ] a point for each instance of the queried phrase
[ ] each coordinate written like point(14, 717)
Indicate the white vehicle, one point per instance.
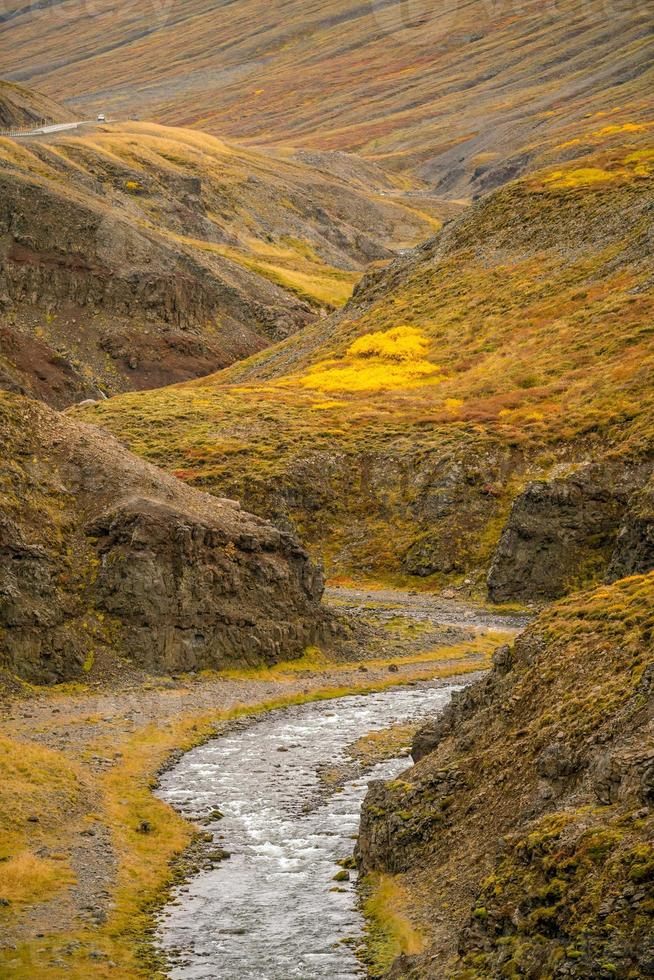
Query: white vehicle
point(101, 117)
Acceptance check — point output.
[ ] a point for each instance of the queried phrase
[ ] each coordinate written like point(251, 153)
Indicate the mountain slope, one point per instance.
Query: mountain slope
point(465, 94)
point(136, 255)
point(22, 108)
point(508, 361)
point(523, 836)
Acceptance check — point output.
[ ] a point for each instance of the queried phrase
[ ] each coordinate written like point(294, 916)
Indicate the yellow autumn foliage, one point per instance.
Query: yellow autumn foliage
point(379, 361)
point(397, 344)
point(579, 178)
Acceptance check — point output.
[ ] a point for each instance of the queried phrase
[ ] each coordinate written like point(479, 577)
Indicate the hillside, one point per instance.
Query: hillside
point(482, 405)
point(521, 842)
point(134, 255)
point(108, 565)
point(464, 95)
point(22, 108)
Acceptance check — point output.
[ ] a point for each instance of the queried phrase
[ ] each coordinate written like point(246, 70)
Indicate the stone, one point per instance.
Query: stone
point(634, 547)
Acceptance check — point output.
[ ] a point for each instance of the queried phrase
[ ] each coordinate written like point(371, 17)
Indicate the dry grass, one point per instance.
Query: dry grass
point(316, 661)
point(27, 878)
point(390, 931)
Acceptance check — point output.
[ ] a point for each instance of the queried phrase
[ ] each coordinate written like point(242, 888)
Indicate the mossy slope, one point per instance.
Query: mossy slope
point(523, 836)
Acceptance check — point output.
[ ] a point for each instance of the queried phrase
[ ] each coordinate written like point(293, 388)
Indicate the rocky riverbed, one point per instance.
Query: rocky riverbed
point(89, 755)
point(277, 905)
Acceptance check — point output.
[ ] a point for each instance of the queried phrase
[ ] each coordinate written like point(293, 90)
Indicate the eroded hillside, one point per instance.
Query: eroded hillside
point(483, 403)
point(464, 94)
point(521, 840)
point(22, 108)
point(134, 256)
point(109, 564)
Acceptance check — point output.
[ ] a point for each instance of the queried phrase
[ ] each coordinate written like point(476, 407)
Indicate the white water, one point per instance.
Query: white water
point(269, 912)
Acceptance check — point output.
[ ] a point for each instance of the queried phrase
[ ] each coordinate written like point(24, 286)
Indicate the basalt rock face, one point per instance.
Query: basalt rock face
point(524, 832)
point(190, 594)
point(105, 557)
point(634, 548)
point(561, 531)
point(84, 255)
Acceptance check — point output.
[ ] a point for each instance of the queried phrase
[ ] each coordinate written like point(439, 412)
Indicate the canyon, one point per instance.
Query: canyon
point(326, 375)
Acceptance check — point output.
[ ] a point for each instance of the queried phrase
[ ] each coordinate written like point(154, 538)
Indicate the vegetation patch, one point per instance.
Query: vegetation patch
point(378, 361)
point(389, 930)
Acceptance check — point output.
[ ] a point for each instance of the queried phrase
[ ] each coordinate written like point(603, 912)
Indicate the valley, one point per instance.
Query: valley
point(137, 255)
point(462, 94)
point(327, 490)
point(500, 373)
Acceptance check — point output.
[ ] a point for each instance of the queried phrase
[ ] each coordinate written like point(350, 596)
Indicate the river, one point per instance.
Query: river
point(273, 910)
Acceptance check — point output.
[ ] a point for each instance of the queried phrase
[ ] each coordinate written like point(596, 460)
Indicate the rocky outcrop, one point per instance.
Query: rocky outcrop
point(523, 834)
point(82, 254)
point(105, 557)
point(125, 306)
point(634, 547)
point(453, 498)
point(562, 532)
point(189, 593)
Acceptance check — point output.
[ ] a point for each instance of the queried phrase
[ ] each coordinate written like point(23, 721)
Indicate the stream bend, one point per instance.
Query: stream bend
point(273, 911)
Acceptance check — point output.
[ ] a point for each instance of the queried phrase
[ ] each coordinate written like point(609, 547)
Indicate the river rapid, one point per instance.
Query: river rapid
point(273, 910)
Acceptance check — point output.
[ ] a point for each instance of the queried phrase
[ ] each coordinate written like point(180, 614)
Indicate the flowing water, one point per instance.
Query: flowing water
point(271, 911)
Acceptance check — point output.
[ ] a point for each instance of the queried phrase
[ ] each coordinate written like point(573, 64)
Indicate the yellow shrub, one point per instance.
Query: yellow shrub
point(377, 375)
point(379, 361)
point(398, 344)
point(624, 128)
point(578, 178)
